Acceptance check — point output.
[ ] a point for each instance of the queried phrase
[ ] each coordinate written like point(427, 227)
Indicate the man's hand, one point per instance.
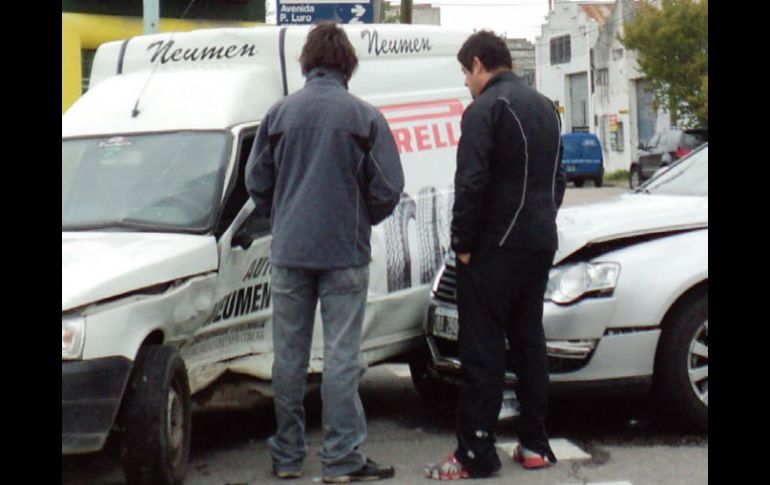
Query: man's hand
point(464, 257)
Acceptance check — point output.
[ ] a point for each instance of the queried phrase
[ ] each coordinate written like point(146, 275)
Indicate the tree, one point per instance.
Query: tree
point(672, 45)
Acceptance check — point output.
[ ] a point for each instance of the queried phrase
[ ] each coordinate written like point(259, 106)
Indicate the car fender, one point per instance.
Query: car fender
point(118, 327)
point(654, 275)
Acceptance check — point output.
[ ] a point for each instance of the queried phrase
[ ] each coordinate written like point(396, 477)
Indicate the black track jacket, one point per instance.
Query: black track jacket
point(509, 183)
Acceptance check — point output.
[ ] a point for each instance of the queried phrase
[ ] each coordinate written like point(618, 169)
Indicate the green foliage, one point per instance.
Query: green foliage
point(617, 176)
point(672, 43)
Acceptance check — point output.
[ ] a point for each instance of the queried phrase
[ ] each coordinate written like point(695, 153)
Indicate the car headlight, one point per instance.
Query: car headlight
point(72, 336)
point(569, 283)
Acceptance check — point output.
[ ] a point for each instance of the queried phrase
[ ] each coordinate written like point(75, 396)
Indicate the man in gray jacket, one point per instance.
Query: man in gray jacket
point(324, 168)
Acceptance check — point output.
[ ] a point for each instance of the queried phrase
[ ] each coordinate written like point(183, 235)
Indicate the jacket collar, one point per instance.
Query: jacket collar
point(325, 75)
point(501, 77)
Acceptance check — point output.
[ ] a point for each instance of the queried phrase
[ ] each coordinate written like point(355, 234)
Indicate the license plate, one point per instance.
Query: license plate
point(445, 323)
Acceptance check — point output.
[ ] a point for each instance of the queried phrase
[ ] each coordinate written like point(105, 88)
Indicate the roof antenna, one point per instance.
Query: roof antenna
point(135, 112)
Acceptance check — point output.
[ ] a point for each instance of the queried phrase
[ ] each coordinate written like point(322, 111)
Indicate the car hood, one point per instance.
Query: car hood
point(99, 265)
point(627, 215)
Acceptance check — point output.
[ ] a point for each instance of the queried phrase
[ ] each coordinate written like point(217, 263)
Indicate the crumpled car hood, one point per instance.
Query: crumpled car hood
point(99, 265)
point(627, 215)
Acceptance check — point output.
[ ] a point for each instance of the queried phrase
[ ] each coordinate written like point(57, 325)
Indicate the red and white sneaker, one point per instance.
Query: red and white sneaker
point(529, 459)
point(449, 469)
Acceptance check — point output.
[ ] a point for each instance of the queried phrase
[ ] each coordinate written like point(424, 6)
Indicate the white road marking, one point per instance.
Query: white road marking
point(562, 448)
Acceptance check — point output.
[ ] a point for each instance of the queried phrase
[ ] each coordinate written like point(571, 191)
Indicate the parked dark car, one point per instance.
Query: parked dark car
point(663, 149)
point(583, 159)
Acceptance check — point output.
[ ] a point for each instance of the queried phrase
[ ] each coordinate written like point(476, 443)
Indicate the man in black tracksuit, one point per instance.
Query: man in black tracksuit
point(508, 188)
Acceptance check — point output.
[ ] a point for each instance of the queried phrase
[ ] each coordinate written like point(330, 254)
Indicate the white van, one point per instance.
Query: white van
point(165, 272)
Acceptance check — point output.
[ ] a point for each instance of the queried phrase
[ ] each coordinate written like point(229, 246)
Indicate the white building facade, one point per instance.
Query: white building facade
point(622, 99)
point(597, 70)
point(563, 56)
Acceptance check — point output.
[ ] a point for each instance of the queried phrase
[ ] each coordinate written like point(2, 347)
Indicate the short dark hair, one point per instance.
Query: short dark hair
point(491, 50)
point(327, 45)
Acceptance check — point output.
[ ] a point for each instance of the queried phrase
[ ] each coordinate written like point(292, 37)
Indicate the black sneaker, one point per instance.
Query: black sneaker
point(369, 472)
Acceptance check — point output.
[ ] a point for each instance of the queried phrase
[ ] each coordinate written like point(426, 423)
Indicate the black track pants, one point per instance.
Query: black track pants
point(500, 294)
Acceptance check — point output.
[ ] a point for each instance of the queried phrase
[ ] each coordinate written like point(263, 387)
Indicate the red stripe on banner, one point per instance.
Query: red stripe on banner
point(445, 108)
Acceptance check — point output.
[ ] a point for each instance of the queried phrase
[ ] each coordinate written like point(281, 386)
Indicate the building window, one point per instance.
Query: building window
point(529, 77)
point(602, 77)
point(616, 137)
point(617, 54)
point(561, 51)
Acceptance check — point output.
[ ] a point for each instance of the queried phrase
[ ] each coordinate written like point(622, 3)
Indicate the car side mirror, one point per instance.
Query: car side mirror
point(254, 227)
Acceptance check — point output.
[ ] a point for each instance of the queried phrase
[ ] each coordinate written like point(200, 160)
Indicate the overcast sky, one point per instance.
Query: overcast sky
point(516, 18)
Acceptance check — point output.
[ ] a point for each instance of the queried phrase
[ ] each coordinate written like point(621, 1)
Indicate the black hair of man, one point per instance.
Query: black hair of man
point(491, 50)
point(327, 45)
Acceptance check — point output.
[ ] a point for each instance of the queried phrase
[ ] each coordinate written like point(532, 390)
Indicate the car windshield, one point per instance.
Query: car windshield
point(159, 181)
point(689, 176)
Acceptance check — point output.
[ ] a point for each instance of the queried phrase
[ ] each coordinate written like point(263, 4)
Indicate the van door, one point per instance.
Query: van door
point(238, 325)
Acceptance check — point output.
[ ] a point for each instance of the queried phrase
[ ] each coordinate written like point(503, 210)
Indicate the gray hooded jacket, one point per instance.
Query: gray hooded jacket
point(325, 168)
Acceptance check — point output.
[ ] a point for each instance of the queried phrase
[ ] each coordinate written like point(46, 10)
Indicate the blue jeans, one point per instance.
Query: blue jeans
point(343, 301)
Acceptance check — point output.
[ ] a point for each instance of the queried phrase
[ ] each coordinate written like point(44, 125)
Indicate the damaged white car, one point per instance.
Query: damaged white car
point(627, 301)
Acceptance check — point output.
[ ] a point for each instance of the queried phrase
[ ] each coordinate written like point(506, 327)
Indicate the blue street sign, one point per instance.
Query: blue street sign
point(302, 12)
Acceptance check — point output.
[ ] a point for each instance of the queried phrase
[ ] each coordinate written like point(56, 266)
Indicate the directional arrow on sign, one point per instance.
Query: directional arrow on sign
point(358, 10)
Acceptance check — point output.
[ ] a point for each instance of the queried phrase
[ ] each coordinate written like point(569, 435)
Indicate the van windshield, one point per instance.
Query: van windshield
point(159, 181)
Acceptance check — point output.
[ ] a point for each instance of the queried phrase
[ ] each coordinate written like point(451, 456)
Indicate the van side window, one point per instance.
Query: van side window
point(238, 194)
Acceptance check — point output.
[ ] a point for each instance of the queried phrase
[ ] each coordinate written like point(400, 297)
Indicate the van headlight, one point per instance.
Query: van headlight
point(72, 336)
point(567, 284)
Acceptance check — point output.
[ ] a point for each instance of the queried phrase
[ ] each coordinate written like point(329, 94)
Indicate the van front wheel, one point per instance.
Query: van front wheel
point(155, 418)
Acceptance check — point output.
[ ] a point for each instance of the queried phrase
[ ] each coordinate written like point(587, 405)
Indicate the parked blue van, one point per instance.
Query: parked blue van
point(583, 158)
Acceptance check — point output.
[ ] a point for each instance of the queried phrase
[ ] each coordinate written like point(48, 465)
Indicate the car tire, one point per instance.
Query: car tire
point(599, 181)
point(432, 390)
point(155, 418)
point(681, 366)
point(635, 178)
point(579, 182)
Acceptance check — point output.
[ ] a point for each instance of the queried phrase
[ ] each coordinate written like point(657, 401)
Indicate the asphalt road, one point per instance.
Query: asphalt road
point(623, 441)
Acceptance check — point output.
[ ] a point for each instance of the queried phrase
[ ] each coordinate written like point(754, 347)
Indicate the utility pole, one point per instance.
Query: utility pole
point(406, 11)
point(151, 16)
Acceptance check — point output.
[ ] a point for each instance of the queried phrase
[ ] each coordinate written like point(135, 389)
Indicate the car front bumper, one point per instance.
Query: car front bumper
point(91, 394)
point(585, 349)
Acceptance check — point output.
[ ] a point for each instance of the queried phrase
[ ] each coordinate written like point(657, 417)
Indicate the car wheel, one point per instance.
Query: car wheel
point(155, 418)
point(681, 366)
point(599, 181)
point(579, 182)
point(635, 178)
point(432, 390)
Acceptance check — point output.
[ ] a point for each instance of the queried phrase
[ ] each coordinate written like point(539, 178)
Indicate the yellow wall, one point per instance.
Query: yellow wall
point(84, 31)
point(70, 65)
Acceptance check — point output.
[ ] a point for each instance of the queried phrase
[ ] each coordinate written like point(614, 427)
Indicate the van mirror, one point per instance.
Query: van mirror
point(254, 227)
